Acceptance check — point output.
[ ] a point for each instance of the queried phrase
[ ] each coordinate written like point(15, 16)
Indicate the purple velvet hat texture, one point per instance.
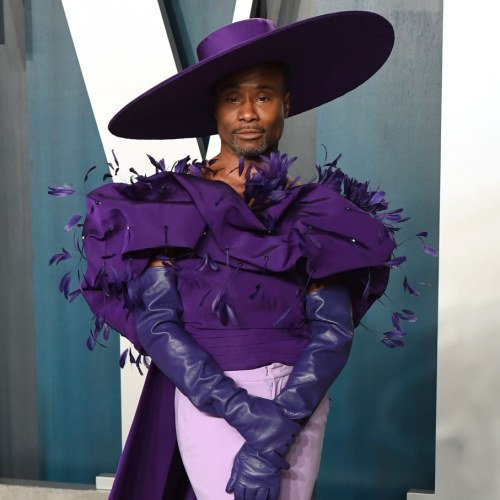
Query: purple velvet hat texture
point(327, 56)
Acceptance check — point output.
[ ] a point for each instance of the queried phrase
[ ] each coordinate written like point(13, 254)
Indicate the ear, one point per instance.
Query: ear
point(286, 104)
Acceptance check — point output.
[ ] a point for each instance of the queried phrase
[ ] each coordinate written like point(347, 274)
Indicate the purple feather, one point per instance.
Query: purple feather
point(106, 176)
point(128, 272)
point(366, 291)
point(114, 158)
point(138, 364)
point(74, 294)
point(395, 262)
point(411, 290)
point(285, 315)
point(72, 222)
point(254, 294)
point(407, 311)
point(423, 284)
point(388, 342)
point(91, 343)
point(394, 334)
point(377, 198)
point(203, 262)
point(396, 322)
point(99, 323)
point(241, 165)
point(58, 257)
point(105, 334)
point(131, 357)
point(123, 358)
point(88, 172)
point(231, 315)
point(410, 319)
point(214, 266)
point(65, 284)
point(160, 166)
point(430, 250)
point(116, 278)
point(64, 190)
point(423, 234)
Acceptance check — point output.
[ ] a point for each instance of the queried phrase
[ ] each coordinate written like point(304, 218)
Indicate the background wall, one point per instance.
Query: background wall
point(18, 406)
point(383, 407)
point(381, 433)
point(468, 412)
point(78, 391)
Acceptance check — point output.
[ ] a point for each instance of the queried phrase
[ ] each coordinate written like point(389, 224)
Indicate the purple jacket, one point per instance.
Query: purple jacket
point(244, 272)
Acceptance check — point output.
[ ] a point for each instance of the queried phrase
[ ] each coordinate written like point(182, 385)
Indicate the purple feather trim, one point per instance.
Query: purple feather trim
point(411, 290)
point(58, 257)
point(72, 222)
point(61, 191)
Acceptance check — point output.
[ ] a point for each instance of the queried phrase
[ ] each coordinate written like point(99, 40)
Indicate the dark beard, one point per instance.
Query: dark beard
point(253, 152)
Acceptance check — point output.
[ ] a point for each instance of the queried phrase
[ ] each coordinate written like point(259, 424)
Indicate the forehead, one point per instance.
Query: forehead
point(270, 75)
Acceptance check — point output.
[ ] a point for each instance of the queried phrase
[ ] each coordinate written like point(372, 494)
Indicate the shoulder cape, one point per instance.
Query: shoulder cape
point(311, 223)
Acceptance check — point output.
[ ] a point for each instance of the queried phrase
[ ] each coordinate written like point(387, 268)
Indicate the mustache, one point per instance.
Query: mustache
point(251, 127)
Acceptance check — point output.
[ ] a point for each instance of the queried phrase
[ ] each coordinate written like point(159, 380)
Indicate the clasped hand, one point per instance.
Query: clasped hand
point(257, 476)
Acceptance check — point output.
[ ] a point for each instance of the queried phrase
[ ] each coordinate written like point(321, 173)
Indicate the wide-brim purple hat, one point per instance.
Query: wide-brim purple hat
point(327, 56)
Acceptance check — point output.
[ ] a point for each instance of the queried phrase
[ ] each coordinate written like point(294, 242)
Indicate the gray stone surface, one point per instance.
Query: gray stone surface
point(8, 492)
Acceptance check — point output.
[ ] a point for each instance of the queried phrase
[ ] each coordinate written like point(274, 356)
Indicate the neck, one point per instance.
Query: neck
point(228, 160)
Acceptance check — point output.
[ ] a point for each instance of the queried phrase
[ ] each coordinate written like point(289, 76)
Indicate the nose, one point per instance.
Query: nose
point(247, 111)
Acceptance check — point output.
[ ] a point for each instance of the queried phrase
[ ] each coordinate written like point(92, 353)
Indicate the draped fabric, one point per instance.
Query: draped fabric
point(242, 276)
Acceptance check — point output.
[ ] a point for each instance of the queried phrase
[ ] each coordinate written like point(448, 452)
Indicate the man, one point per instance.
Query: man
point(252, 251)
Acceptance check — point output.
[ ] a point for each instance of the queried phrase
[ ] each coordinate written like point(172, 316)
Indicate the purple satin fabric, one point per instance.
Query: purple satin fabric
point(317, 232)
point(232, 35)
point(229, 249)
point(151, 467)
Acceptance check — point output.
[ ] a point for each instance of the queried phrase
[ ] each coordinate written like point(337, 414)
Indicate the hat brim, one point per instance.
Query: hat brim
point(328, 56)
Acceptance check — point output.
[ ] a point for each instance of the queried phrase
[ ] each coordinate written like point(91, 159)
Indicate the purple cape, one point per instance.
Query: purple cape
point(311, 224)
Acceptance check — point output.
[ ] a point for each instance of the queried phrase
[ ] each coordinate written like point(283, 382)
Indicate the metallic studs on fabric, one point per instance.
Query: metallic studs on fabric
point(83, 237)
point(204, 233)
point(352, 240)
point(266, 257)
point(128, 228)
point(227, 248)
point(163, 187)
point(348, 208)
point(91, 207)
point(269, 231)
point(240, 264)
point(97, 202)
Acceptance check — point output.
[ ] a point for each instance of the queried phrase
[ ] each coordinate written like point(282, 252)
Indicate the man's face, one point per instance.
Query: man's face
point(250, 108)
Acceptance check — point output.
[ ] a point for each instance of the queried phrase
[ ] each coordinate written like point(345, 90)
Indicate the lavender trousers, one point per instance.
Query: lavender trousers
point(208, 444)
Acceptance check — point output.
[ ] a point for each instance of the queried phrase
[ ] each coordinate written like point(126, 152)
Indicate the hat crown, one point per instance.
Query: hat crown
point(231, 35)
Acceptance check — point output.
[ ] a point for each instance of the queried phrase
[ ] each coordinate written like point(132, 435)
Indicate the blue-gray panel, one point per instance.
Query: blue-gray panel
point(380, 439)
point(78, 391)
point(192, 20)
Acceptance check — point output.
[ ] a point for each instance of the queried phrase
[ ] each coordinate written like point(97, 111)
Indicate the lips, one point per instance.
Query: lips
point(249, 134)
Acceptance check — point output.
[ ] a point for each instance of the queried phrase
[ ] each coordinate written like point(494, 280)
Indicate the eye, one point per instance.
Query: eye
point(232, 99)
point(262, 98)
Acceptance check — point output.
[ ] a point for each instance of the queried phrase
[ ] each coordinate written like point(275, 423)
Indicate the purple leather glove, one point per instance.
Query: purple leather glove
point(253, 477)
point(329, 316)
point(264, 425)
